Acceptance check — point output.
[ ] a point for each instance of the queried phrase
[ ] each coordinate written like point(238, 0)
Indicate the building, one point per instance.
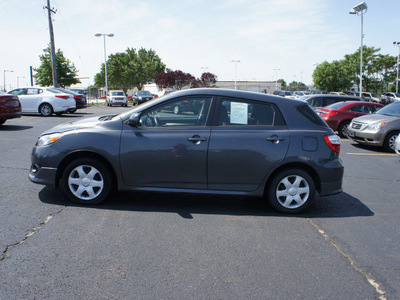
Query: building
point(266, 87)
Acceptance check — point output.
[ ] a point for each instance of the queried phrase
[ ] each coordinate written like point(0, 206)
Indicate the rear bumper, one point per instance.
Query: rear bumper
point(10, 116)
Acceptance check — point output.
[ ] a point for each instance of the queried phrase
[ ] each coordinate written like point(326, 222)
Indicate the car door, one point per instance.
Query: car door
point(20, 93)
point(249, 138)
point(167, 149)
point(33, 98)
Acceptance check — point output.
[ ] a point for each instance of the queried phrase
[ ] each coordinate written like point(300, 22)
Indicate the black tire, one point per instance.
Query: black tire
point(46, 110)
point(388, 144)
point(342, 130)
point(291, 191)
point(86, 180)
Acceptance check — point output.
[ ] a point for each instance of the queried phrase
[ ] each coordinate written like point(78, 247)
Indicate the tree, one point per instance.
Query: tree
point(174, 79)
point(131, 69)
point(208, 79)
point(377, 73)
point(332, 76)
point(66, 71)
point(282, 82)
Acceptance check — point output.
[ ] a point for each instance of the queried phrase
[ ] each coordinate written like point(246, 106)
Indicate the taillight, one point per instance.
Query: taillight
point(333, 142)
point(77, 97)
point(332, 113)
point(62, 96)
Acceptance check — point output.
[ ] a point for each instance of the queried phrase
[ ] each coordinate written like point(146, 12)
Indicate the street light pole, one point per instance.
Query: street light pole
point(276, 77)
point(398, 62)
point(4, 77)
point(360, 10)
point(105, 55)
point(236, 62)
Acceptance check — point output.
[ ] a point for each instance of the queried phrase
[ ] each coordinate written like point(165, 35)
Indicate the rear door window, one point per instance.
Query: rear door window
point(234, 112)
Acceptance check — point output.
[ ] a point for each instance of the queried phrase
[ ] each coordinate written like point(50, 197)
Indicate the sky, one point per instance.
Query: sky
point(196, 36)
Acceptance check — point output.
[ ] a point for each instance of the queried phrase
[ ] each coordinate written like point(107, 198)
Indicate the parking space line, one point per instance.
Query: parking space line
point(373, 154)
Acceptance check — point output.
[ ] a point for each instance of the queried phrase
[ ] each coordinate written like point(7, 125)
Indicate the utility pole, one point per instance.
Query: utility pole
point(52, 46)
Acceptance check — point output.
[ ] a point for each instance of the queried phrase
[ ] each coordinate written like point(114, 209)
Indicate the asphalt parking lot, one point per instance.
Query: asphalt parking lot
point(167, 246)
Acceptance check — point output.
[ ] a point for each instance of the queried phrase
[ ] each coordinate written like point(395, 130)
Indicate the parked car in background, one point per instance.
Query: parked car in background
point(141, 97)
point(339, 115)
point(378, 129)
point(396, 146)
point(299, 94)
point(370, 97)
point(279, 93)
point(388, 98)
point(45, 101)
point(338, 93)
point(287, 94)
point(350, 93)
point(10, 107)
point(80, 99)
point(280, 149)
point(322, 100)
point(116, 97)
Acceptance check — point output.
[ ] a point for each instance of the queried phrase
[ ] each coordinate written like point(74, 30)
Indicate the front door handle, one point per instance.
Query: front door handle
point(275, 139)
point(196, 139)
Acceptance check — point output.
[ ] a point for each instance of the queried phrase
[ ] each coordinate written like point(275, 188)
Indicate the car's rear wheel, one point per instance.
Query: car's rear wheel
point(343, 130)
point(46, 110)
point(388, 144)
point(291, 191)
point(87, 180)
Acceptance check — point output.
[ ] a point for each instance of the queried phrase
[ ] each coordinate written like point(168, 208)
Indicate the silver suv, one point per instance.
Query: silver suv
point(117, 97)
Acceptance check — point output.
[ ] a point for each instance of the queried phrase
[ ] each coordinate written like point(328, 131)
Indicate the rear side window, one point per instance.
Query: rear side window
point(330, 100)
point(315, 102)
point(243, 112)
point(311, 115)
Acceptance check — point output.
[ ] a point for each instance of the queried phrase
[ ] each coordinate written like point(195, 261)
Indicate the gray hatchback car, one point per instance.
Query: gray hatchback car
point(233, 143)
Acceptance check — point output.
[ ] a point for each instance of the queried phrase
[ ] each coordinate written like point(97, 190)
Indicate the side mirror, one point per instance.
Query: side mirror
point(134, 120)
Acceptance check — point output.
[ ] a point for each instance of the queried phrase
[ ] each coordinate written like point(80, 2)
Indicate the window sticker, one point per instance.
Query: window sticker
point(239, 113)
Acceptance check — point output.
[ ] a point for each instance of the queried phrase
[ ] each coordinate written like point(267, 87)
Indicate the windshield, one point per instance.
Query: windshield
point(117, 93)
point(374, 95)
point(143, 93)
point(390, 110)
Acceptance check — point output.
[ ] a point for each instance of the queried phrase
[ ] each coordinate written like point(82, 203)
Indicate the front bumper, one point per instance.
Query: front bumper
point(44, 162)
point(367, 137)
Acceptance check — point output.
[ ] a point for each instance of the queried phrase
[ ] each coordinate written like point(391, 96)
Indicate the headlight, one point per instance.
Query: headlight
point(48, 139)
point(375, 126)
point(140, 98)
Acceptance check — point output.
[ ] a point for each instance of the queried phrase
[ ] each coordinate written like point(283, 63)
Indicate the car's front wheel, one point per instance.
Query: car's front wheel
point(389, 141)
point(46, 110)
point(291, 191)
point(87, 180)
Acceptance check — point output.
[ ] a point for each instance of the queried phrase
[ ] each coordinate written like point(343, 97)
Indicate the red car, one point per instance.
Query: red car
point(339, 115)
point(10, 107)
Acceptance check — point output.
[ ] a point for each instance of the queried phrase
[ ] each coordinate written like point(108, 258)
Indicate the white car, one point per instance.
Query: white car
point(45, 101)
point(396, 146)
point(117, 97)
